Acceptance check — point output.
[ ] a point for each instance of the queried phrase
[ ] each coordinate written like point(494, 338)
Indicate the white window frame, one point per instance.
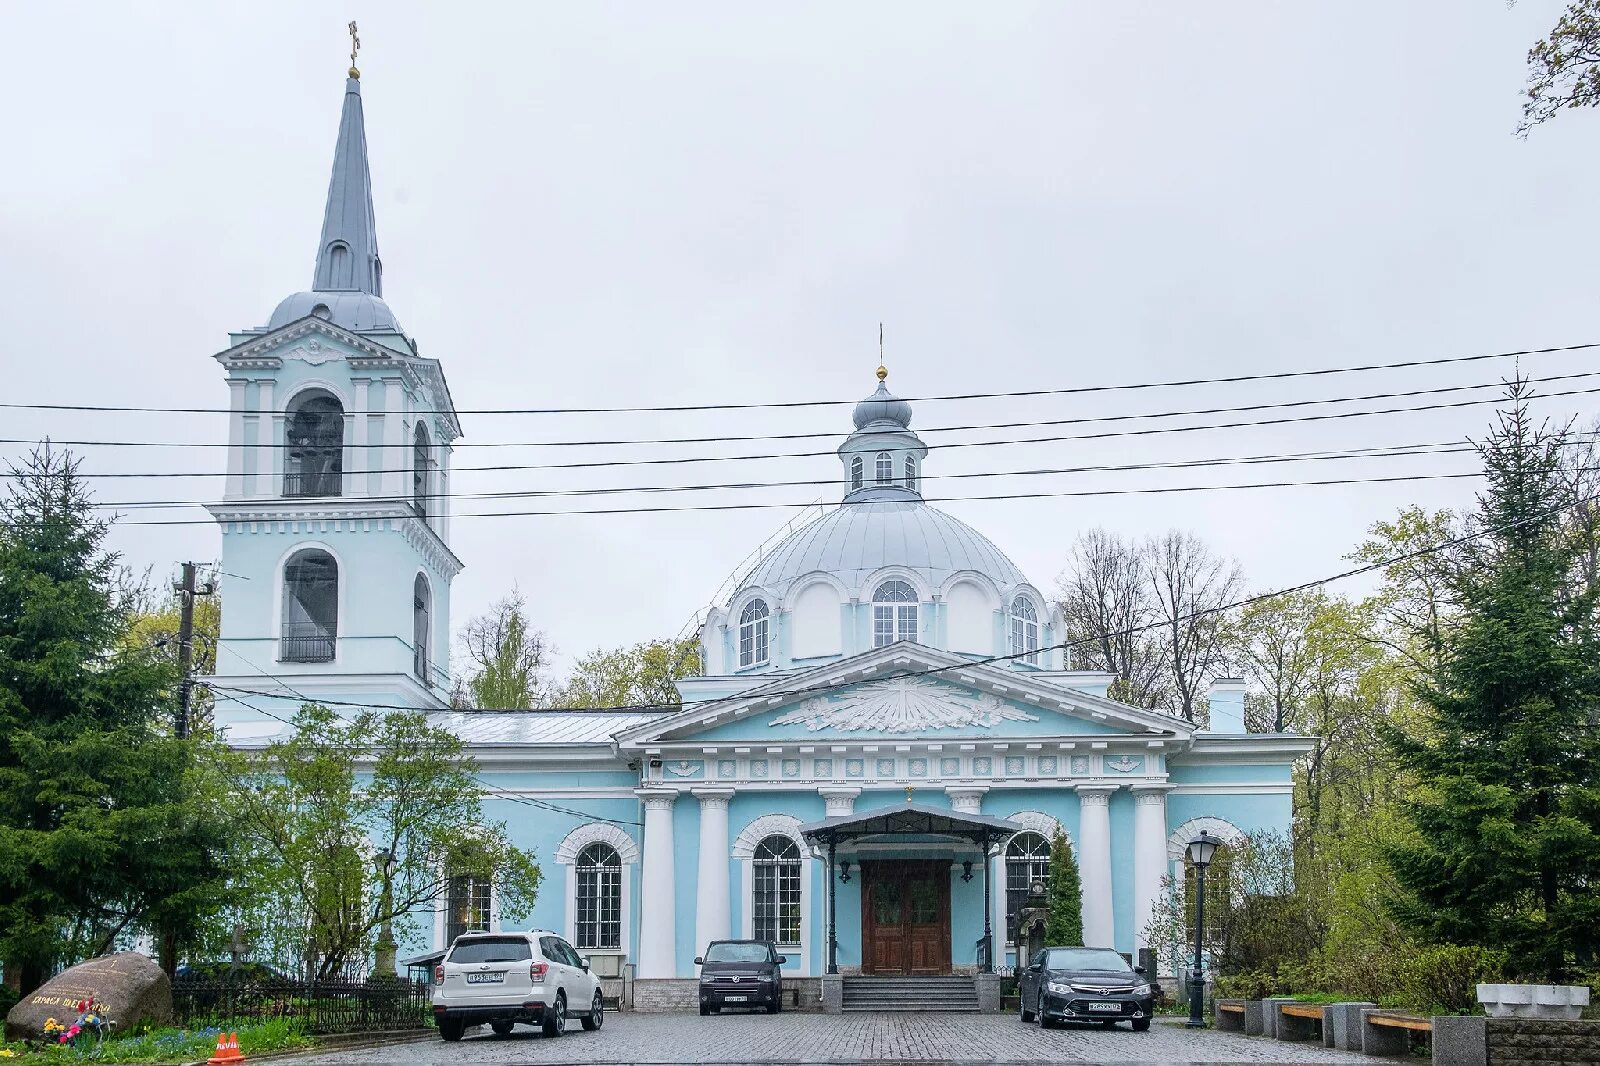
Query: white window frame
point(858, 474)
point(1024, 629)
point(883, 469)
point(760, 627)
point(566, 855)
point(899, 614)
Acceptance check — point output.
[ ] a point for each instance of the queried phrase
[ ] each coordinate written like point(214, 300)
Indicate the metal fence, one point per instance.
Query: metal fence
point(319, 1006)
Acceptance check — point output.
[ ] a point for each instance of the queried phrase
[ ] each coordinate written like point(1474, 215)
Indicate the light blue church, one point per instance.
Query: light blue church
point(884, 740)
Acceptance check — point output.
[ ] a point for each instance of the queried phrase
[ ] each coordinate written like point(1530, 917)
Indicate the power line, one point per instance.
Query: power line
point(756, 438)
point(1068, 645)
point(1069, 391)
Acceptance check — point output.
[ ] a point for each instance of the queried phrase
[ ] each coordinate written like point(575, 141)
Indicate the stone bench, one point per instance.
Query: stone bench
point(1229, 1015)
point(1386, 1032)
point(1299, 1021)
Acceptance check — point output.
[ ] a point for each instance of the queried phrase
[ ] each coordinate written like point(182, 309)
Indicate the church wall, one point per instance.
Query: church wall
point(1226, 773)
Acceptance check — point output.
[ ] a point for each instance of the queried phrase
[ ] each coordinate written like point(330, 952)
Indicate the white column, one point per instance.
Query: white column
point(395, 481)
point(442, 504)
point(657, 945)
point(839, 802)
point(1149, 854)
point(235, 484)
point(966, 799)
point(1094, 864)
point(360, 454)
point(713, 914)
point(267, 438)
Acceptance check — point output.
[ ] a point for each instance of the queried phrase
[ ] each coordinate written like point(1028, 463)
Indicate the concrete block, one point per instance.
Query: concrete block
point(988, 985)
point(1269, 1014)
point(1327, 1026)
point(1252, 1017)
point(1459, 1041)
point(1382, 1039)
point(832, 993)
point(1228, 1021)
point(1347, 1024)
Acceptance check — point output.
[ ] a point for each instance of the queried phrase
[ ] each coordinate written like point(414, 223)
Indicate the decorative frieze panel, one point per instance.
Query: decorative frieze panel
point(907, 764)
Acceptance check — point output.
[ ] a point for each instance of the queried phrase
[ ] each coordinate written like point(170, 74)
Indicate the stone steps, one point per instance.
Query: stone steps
point(941, 995)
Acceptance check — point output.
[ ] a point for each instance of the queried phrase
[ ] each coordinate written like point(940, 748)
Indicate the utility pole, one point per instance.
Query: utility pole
point(187, 591)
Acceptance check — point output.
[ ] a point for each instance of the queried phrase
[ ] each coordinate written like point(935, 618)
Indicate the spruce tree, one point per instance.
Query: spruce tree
point(1504, 851)
point(1064, 924)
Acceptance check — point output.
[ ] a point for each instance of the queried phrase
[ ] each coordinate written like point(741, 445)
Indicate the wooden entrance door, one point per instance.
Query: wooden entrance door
point(905, 917)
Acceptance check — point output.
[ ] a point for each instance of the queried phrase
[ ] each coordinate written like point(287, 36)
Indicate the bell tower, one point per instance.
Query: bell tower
point(335, 514)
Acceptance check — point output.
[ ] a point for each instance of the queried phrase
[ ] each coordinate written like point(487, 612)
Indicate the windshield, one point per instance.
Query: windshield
point(1085, 959)
point(492, 949)
point(738, 953)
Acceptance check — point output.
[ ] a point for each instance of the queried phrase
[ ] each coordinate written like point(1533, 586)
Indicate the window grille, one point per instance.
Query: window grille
point(894, 613)
point(419, 471)
point(310, 608)
point(599, 897)
point(1219, 877)
point(884, 472)
point(1024, 629)
point(911, 473)
point(420, 627)
point(466, 905)
point(314, 459)
point(1027, 858)
point(753, 621)
point(856, 476)
point(776, 902)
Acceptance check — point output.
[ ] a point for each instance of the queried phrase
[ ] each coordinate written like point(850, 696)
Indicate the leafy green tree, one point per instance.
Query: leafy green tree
point(319, 808)
point(506, 659)
point(1564, 67)
point(1505, 848)
point(154, 624)
point(101, 833)
point(1064, 923)
point(638, 675)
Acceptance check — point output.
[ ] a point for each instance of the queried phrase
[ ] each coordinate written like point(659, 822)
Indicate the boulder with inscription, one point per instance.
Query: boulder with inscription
point(127, 988)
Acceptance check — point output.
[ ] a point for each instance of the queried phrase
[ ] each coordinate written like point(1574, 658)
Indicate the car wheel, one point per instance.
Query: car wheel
point(1141, 1025)
point(555, 1021)
point(451, 1031)
point(597, 1013)
point(1023, 1013)
point(502, 1028)
point(704, 1010)
point(1045, 1021)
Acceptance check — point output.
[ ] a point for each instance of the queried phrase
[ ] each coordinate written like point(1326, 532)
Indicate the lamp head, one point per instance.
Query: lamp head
point(1201, 848)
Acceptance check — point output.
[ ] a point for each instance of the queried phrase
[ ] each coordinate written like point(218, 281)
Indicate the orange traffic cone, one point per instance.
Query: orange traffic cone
point(233, 1046)
point(221, 1055)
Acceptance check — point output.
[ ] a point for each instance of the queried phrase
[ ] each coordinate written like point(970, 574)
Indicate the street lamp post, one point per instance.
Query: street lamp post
point(383, 965)
point(1201, 848)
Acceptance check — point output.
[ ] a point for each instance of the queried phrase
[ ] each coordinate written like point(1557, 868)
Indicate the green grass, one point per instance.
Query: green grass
point(161, 1046)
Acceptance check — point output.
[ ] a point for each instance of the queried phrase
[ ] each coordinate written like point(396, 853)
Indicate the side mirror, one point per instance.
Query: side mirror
point(1138, 969)
point(583, 960)
point(699, 960)
point(782, 960)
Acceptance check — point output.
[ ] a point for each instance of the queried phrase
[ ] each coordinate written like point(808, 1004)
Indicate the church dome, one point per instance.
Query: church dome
point(355, 310)
point(851, 543)
point(882, 406)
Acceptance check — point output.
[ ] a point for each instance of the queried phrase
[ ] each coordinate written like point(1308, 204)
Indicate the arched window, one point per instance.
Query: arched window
point(894, 613)
point(599, 897)
point(310, 607)
point(1024, 629)
point(467, 905)
point(419, 470)
point(776, 892)
point(1027, 859)
point(1219, 889)
point(911, 473)
point(856, 475)
point(884, 472)
point(753, 633)
point(421, 627)
point(314, 459)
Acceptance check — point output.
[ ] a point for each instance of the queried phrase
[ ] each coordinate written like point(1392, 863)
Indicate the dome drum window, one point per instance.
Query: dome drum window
point(857, 475)
point(883, 472)
point(310, 608)
point(1025, 630)
point(314, 435)
point(754, 643)
point(911, 473)
point(894, 613)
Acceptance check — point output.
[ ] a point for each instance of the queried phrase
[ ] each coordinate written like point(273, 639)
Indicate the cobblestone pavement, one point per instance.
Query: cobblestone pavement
point(853, 1038)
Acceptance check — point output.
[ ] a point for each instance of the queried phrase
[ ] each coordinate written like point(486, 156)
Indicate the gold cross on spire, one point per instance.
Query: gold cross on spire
point(355, 46)
point(883, 371)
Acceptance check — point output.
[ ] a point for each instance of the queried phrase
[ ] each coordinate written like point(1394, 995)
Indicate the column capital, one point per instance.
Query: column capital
point(1095, 795)
point(839, 800)
point(656, 799)
point(1154, 792)
point(966, 799)
point(712, 798)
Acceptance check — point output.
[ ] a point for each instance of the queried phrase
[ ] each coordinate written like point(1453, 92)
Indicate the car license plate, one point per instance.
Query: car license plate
point(1109, 1008)
point(498, 977)
point(735, 999)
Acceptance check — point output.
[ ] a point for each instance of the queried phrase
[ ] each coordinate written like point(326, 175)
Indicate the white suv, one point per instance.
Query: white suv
point(506, 978)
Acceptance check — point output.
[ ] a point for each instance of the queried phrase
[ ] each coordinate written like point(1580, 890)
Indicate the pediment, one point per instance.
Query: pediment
point(904, 693)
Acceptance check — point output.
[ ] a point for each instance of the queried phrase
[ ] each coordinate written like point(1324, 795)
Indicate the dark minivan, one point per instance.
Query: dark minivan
point(1084, 985)
point(741, 973)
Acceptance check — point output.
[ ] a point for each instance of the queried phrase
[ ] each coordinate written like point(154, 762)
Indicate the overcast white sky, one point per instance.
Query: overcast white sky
point(603, 204)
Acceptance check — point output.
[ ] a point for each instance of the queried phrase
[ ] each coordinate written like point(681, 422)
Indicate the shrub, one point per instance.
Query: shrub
point(1443, 978)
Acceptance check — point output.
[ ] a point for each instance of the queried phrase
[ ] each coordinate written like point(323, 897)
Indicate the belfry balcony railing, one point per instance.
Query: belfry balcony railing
point(301, 643)
point(299, 484)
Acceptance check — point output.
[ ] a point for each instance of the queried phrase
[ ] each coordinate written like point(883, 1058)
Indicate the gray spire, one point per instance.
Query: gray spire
point(347, 258)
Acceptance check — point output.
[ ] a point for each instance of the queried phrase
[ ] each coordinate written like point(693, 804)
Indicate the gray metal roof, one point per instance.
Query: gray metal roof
point(539, 727)
point(855, 540)
point(358, 311)
point(910, 819)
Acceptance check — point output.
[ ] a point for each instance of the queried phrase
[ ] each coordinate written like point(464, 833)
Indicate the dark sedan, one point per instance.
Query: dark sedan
point(1084, 985)
point(741, 973)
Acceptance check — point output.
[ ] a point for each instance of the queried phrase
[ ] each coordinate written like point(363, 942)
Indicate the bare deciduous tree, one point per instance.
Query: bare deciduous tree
point(1106, 606)
point(1190, 584)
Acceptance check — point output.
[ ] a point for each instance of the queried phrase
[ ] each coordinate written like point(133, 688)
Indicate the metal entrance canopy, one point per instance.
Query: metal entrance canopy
point(911, 819)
